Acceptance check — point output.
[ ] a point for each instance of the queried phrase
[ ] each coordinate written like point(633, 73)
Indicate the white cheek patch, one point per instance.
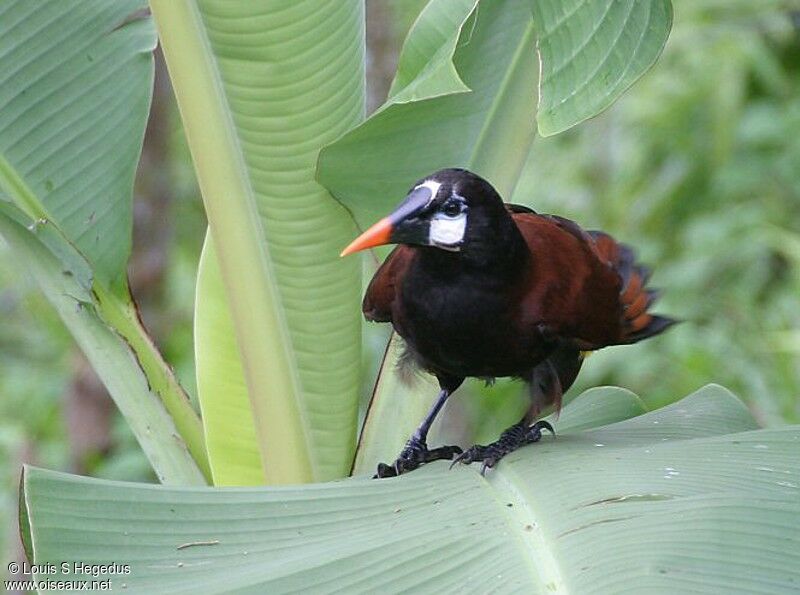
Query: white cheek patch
point(448, 231)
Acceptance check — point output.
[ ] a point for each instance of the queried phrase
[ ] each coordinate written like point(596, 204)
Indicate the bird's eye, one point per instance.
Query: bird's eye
point(451, 209)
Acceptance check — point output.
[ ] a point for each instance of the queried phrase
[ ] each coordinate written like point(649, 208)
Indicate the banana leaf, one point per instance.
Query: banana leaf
point(261, 86)
point(691, 497)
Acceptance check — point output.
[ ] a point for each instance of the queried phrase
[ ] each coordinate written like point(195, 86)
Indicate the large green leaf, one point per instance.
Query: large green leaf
point(688, 498)
point(591, 51)
point(75, 85)
point(230, 431)
point(261, 87)
point(75, 91)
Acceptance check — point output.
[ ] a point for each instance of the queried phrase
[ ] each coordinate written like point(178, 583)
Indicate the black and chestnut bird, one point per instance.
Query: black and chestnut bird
point(480, 288)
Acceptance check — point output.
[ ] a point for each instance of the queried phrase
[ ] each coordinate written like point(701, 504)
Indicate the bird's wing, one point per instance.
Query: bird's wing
point(382, 290)
point(584, 286)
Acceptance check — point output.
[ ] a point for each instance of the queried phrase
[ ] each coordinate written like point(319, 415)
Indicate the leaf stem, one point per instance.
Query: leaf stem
point(123, 317)
point(262, 336)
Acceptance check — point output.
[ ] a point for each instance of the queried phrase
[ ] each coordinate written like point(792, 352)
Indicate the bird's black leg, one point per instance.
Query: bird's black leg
point(416, 451)
point(517, 435)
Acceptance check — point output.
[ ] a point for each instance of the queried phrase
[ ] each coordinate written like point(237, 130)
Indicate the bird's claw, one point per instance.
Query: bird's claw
point(509, 441)
point(415, 454)
point(472, 454)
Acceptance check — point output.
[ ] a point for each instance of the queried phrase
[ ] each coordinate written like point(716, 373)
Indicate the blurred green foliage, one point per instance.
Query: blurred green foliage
point(697, 167)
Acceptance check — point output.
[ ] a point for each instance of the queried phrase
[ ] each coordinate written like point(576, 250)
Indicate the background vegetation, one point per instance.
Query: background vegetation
point(696, 166)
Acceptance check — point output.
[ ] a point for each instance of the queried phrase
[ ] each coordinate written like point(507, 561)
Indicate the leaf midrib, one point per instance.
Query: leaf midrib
point(19, 192)
point(243, 257)
point(117, 313)
point(244, 172)
point(499, 98)
point(519, 513)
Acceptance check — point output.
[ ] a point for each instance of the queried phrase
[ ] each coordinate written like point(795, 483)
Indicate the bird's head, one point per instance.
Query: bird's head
point(446, 210)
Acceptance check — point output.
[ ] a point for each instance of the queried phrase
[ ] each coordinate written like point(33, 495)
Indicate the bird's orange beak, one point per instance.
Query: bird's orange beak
point(401, 226)
point(377, 235)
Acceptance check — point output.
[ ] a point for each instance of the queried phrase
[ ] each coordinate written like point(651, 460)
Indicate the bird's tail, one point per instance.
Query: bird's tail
point(636, 298)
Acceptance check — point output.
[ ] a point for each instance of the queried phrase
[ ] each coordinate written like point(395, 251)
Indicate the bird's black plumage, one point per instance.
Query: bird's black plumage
point(478, 288)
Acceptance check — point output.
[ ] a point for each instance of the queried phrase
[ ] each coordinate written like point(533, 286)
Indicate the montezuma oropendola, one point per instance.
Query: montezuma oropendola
point(479, 288)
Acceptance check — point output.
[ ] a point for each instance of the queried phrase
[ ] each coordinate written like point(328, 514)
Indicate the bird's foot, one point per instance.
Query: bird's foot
point(414, 454)
point(509, 441)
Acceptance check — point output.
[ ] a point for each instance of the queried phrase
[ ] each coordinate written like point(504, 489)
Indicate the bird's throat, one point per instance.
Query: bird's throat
point(491, 254)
